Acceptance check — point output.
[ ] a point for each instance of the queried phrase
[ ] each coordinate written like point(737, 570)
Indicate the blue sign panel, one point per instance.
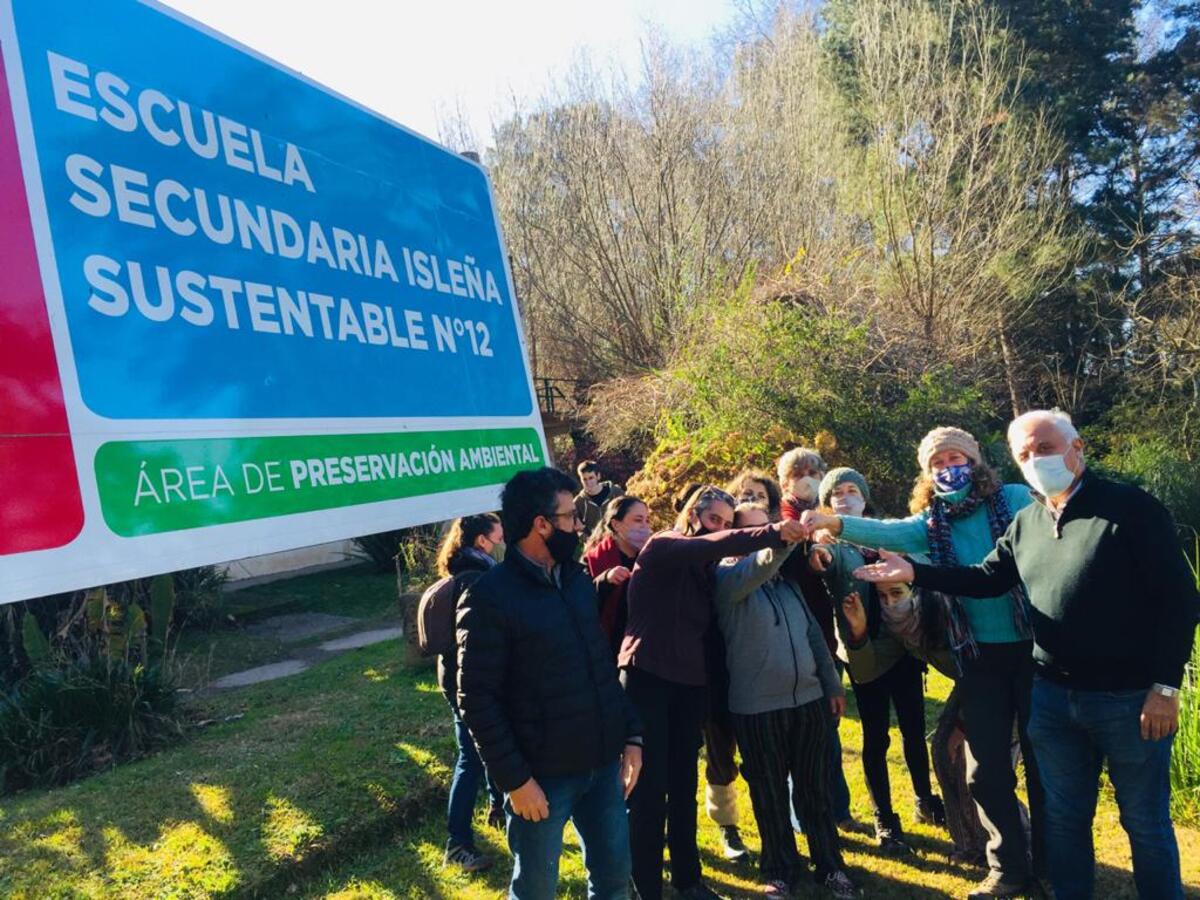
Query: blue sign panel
point(234, 242)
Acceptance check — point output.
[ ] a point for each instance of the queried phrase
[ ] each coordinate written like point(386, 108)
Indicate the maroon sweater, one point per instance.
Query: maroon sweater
point(670, 598)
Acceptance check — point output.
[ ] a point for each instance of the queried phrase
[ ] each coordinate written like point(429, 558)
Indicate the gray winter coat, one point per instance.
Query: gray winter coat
point(775, 652)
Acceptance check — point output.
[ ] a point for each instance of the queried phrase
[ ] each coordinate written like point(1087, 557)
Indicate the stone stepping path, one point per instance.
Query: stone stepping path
point(362, 639)
point(298, 627)
point(262, 673)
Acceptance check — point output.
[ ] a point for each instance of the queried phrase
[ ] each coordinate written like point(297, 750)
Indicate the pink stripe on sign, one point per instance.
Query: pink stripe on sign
point(40, 505)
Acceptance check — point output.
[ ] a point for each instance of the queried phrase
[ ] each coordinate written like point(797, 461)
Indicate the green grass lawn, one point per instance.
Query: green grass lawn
point(325, 761)
point(332, 784)
point(409, 865)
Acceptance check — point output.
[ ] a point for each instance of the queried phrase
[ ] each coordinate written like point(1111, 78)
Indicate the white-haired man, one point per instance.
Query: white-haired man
point(1114, 618)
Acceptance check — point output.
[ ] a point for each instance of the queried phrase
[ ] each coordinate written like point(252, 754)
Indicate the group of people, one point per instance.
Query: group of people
point(585, 681)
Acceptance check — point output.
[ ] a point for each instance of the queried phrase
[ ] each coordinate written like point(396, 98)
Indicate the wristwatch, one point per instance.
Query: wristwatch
point(1165, 690)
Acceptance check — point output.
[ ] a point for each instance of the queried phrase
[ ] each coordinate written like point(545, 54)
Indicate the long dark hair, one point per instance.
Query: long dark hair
point(934, 634)
point(615, 510)
point(463, 533)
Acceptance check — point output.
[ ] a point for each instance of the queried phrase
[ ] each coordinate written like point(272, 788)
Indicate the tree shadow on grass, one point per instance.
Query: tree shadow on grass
point(311, 774)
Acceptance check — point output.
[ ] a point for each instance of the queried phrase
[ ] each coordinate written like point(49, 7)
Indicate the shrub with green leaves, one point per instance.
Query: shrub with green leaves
point(93, 689)
point(784, 361)
point(405, 549)
point(89, 713)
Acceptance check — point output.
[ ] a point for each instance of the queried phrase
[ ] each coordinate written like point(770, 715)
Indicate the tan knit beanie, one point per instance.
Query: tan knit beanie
point(948, 438)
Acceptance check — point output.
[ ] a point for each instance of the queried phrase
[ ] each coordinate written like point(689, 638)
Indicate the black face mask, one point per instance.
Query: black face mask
point(562, 545)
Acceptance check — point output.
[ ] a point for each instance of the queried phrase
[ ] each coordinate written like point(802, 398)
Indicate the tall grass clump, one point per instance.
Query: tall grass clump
point(1185, 759)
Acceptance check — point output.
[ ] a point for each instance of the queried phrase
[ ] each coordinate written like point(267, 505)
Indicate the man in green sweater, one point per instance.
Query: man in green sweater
point(1114, 618)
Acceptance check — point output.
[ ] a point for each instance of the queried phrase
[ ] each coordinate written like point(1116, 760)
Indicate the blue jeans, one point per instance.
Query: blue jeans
point(839, 791)
point(464, 788)
point(595, 803)
point(1073, 734)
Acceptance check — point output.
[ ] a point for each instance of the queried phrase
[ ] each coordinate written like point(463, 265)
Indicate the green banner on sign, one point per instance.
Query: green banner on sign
point(149, 487)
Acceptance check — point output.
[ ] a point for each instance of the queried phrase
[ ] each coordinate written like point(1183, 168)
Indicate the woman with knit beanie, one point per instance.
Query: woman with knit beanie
point(960, 508)
point(895, 680)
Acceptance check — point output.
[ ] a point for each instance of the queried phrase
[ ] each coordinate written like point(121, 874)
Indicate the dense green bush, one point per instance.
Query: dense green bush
point(92, 682)
point(680, 460)
point(61, 722)
point(1159, 465)
point(783, 361)
point(405, 550)
point(200, 597)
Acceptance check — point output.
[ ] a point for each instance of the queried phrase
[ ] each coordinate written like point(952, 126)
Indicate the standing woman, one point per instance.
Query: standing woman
point(720, 742)
point(894, 682)
point(670, 601)
point(609, 556)
point(466, 553)
point(783, 689)
point(960, 508)
point(916, 621)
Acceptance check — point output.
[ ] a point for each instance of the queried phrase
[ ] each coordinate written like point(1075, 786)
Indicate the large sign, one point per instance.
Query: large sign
point(238, 313)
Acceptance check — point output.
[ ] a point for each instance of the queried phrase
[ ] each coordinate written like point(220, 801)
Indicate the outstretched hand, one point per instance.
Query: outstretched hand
point(891, 568)
point(819, 559)
point(817, 521)
point(792, 532)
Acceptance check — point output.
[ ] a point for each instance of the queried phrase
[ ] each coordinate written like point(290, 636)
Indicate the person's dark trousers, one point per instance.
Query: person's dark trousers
point(775, 745)
point(464, 788)
point(1074, 733)
point(996, 689)
point(839, 790)
point(672, 718)
point(594, 802)
point(720, 745)
point(901, 688)
point(720, 766)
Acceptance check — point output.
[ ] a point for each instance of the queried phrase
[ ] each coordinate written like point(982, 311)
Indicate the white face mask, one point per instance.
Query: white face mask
point(848, 505)
point(806, 488)
point(1048, 475)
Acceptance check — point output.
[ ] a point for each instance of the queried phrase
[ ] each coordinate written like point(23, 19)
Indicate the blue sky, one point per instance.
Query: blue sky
point(414, 60)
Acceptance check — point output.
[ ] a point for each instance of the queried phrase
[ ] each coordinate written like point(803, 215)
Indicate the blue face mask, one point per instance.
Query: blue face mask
point(953, 478)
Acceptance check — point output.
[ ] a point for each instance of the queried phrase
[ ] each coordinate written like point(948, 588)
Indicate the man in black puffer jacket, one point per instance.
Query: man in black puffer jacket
point(538, 689)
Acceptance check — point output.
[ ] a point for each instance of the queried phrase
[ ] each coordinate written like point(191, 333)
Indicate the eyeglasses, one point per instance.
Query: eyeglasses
point(573, 514)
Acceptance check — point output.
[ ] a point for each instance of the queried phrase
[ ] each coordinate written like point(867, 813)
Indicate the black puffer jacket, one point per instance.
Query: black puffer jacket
point(537, 684)
point(465, 566)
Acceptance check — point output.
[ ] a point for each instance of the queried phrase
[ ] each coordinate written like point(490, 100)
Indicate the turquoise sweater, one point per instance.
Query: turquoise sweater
point(991, 623)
